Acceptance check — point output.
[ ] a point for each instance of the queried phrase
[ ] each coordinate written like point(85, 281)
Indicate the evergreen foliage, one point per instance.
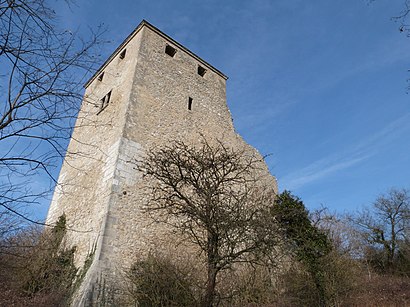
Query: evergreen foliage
point(307, 242)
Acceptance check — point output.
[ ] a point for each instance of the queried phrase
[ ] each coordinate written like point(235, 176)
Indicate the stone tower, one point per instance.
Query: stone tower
point(150, 91)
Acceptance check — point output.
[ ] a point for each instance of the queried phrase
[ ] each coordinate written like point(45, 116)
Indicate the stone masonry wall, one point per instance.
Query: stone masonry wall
point(158, 114)
point(87, 174)
point(100, 191)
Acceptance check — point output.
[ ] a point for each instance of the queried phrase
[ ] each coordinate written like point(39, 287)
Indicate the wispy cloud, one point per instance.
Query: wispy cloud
point(353, 155)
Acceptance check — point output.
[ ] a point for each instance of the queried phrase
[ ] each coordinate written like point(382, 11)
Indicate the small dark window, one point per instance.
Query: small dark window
point(104, 102)
point(122, 54)
point(201, 71)
point(100, 77)
point(170, 50)
point(190, 103)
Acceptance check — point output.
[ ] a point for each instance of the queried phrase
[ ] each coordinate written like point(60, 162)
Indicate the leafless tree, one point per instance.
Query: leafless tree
point(213, 196)
point(36, 268)
point(387, 223)
point(403, 18)
point(42, 69)
point(404, 24)
point(9, 224)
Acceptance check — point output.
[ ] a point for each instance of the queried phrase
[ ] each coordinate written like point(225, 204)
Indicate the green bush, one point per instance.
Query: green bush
point(306, 242)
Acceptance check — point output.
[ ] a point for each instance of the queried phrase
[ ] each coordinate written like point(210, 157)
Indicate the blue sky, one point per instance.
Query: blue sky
point(320, 85)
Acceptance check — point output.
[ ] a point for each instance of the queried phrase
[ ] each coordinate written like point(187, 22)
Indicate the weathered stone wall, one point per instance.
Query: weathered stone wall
point(158, 114)
point(87, 174)
point(101, 192)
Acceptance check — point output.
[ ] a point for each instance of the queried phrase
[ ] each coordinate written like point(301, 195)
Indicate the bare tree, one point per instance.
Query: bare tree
point(404, 24)
point(42, 70)
point(36, 268)
point(402, 18)
point(9, 225)
point(386, 225)
point(215, 198)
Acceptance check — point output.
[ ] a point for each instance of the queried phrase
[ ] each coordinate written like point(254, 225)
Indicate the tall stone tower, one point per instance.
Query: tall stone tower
point(150, 91)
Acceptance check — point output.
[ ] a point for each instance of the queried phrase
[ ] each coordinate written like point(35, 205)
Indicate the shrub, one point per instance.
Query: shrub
point(35, 269)
point(156, 281)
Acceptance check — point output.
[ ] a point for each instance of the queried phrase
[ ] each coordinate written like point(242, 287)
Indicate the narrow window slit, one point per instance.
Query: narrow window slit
point(101, 76)
point(170, 50)
point(201, 71)
point(190, 103)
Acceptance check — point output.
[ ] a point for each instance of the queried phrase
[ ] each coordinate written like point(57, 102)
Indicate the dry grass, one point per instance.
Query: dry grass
point(381, 290)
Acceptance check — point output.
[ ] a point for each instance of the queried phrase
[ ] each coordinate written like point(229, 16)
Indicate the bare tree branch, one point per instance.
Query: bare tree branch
point(215, 197)
point(42, 71)
point(386, 224)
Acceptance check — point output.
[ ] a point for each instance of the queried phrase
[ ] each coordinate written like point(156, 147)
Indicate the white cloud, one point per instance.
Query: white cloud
point(355, 154)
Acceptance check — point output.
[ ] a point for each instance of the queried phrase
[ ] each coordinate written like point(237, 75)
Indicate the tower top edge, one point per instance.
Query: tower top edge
point(146, 24)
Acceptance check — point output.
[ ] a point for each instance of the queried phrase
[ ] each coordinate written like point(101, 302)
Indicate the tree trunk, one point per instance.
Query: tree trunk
point(209, 296)
point(212, 253)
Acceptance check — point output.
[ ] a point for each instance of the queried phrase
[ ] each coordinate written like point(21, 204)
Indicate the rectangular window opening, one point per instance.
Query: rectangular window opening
point(170, 50)
point(104, 102)
point(101, 76)
point(122, 54)
point(190, 103)
point(201, 71)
